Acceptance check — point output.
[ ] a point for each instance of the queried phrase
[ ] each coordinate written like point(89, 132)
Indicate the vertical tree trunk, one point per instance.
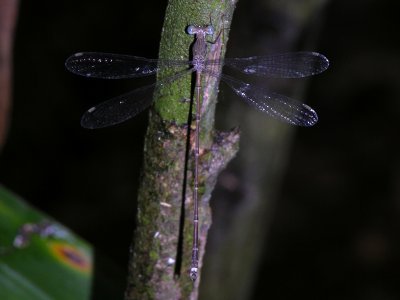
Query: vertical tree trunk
point(161, 251)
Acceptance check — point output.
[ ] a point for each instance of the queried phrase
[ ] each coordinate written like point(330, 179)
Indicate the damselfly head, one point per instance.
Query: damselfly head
point(194, 29)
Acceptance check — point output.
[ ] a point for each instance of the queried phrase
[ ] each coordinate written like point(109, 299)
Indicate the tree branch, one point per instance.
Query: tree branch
point(160, 257)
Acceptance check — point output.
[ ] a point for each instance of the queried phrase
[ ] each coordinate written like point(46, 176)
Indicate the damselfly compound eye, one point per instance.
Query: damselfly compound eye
point(191, 30)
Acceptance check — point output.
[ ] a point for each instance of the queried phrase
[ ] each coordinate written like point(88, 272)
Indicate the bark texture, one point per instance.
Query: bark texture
point(161, 248)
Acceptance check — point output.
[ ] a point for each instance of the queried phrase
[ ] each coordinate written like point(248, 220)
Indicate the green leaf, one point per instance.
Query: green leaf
point(39, 258)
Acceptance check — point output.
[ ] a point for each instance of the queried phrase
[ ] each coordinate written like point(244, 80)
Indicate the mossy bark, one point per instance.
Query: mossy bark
point(161, 251)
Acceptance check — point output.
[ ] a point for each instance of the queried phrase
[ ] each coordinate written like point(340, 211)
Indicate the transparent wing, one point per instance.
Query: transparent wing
point(278, 106)
point(118, 109)
point(286, 65)
point(123, 107)
point(116, 66)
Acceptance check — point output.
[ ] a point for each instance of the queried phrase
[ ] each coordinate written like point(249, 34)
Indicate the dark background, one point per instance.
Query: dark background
point(335, 227)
